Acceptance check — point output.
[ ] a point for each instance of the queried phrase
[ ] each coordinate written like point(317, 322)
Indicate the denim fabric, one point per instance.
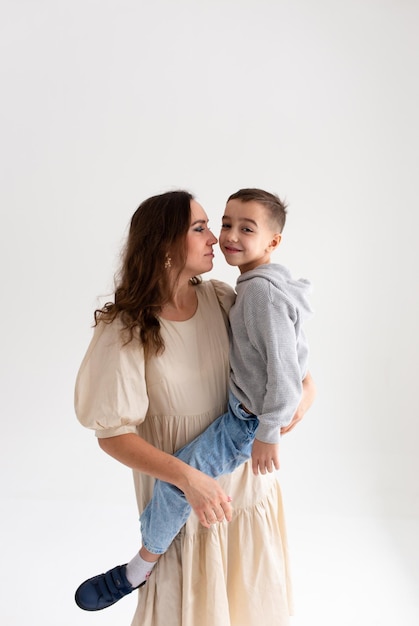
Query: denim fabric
point(220, 449)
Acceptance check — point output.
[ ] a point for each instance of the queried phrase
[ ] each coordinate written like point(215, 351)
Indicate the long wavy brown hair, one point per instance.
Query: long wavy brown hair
point(157, 231)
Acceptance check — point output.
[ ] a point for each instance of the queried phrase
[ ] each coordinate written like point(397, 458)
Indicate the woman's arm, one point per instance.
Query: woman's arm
point(203, 493)
point(307, 399)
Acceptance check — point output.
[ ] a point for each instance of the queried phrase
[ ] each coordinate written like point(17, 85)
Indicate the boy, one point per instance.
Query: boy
point(268, 359)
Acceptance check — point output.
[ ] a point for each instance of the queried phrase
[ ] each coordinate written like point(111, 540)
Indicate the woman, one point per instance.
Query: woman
point(154, 377)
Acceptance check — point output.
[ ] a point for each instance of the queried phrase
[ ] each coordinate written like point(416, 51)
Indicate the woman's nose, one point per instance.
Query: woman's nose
point(213, 239)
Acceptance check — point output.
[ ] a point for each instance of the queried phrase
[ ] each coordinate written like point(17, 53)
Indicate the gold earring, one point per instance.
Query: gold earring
point(168, 262)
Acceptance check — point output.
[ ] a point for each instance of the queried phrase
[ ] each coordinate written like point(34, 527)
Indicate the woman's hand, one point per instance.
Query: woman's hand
point(307, 399)
point(207, 498)
point(203, 493)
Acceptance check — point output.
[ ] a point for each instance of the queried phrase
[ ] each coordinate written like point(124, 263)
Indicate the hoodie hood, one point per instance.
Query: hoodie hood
point(294, 290)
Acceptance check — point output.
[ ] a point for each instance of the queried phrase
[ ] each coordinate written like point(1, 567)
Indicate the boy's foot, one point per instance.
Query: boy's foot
point(104, 590)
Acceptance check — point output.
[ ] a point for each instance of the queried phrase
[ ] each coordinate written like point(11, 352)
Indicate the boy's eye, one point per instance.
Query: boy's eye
point(225, 225)
point(247, 230)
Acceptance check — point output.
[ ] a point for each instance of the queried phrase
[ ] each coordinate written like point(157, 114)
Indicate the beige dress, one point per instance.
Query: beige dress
point(233, 574)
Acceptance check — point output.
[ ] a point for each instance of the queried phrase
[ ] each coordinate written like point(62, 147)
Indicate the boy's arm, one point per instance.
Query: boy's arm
point(274, 338)
point(307, 399)
point(265, 456)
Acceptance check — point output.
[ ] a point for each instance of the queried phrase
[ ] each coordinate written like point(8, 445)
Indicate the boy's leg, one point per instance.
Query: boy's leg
point(220, 449)
point(223, 446)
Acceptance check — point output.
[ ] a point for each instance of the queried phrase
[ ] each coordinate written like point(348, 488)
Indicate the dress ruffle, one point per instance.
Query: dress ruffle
point(233, 574)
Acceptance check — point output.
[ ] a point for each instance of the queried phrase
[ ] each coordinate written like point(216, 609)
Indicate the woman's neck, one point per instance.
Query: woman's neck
point(182, 305)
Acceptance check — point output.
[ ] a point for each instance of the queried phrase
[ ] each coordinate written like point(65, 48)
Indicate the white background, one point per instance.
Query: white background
point(107, 102)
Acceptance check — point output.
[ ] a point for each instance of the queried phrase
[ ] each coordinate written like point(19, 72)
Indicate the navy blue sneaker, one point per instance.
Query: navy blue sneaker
point(104, 590)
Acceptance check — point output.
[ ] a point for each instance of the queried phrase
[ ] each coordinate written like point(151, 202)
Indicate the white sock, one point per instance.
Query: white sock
point(138, 570)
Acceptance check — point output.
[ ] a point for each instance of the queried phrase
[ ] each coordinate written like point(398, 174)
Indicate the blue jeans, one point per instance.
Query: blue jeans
point(223, 446)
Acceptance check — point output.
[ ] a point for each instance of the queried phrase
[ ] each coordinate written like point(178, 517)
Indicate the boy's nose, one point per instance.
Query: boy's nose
point(232, 236)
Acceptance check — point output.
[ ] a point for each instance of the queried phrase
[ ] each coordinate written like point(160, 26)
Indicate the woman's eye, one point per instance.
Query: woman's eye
point(199, 229)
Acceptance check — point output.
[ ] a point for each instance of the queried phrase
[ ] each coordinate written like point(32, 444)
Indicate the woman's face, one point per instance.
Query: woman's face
point(199, 243)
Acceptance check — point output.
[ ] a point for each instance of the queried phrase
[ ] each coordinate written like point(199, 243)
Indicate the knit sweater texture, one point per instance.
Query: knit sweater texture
point(269, 351)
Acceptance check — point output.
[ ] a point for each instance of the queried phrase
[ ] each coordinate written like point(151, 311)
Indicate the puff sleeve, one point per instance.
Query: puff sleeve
point(111, 395)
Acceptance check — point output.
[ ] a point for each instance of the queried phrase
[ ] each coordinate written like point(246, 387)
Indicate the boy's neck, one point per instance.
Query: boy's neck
point(245, 268)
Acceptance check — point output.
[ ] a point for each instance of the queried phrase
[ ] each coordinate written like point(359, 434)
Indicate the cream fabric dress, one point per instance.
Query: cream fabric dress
point(233, 574)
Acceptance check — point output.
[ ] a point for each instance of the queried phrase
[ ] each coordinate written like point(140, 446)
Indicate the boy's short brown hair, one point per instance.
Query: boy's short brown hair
point(276, 207)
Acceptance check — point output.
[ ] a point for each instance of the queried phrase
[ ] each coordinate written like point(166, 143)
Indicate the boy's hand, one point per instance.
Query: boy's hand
point(265, 457)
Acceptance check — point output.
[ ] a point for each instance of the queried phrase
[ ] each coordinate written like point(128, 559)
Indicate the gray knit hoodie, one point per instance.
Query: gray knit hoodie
point(268, 351)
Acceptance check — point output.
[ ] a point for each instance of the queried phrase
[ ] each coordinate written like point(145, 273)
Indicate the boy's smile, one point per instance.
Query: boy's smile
point(247, 237)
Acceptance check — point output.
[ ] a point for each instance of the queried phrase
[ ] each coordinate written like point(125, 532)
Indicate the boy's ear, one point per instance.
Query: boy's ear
point(275, 241)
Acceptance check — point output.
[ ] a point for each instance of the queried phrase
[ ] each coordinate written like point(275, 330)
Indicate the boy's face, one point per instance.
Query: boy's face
point(247, 237)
